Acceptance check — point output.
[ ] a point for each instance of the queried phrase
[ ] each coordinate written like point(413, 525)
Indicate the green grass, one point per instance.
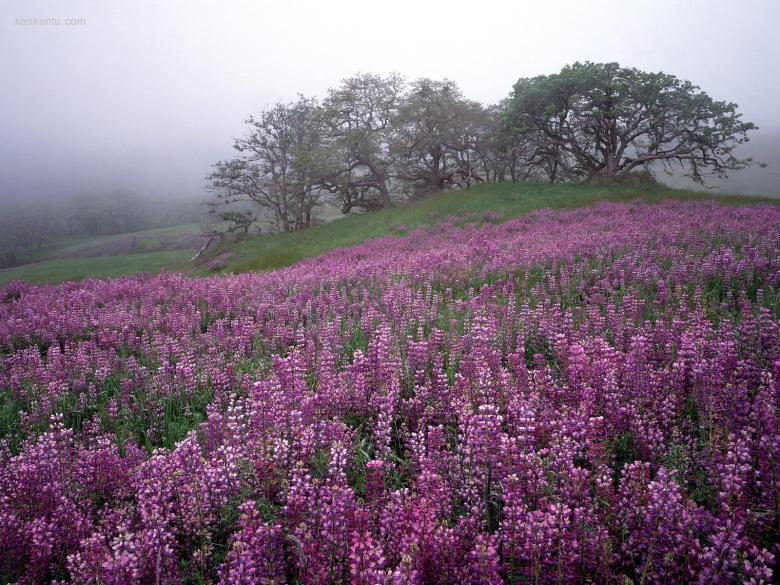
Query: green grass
point(68, 269)
point(142, 241)
point(78, 258)
point(510, 200)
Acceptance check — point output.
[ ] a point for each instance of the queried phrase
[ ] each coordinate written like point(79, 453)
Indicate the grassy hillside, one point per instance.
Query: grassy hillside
point(508, 199)
point(104, 256)
point(67, 269)
point(171, 248)
point(180, 237)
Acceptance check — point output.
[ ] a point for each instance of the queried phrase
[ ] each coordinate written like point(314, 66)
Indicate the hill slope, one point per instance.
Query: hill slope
point(508, 200)
point(75, 258)
point(586, 395)
point(171, 248)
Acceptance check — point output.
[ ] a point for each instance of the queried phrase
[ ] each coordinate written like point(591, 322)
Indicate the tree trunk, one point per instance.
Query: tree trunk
point(436, 179)
point(379, 180)
point(385, 193)
point(300, 205)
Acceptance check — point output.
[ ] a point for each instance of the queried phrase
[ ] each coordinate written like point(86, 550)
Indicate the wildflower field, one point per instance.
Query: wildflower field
point(583, 396)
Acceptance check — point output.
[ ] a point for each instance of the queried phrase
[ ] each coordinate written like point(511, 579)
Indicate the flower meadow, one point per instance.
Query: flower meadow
point(585, 396)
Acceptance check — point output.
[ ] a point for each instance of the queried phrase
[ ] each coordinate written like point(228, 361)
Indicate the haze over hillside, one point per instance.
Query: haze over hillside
point(146, 96)
point(764, 147)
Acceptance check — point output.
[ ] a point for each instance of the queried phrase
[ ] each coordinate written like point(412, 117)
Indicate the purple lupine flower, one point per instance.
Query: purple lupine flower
point(571, 396)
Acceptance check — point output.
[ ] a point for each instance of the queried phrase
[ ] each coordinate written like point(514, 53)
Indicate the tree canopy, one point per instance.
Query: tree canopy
point(281, 165)
point(605, 121)
point(376, 139)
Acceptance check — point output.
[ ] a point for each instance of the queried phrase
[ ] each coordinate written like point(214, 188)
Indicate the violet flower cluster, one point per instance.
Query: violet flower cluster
point(585, 396)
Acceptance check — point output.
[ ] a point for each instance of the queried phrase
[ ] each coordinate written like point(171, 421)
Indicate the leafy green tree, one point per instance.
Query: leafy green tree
point(422, 129)
point(279, 168)
point(472, 144)
point(602, 121)
point(359, 114)
point(436, 134)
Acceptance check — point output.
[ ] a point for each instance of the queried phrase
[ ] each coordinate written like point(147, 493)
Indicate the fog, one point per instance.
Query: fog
point(145, 96)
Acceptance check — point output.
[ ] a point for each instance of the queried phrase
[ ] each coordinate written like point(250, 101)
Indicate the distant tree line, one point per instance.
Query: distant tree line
point(27, 226)
point(374, 140)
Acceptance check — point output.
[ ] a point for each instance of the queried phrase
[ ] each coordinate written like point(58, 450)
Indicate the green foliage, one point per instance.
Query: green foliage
point(623, 453)
point(509, 199)
point(53, 271)
point(269, 252)
point(180, 414)
point(601, 121)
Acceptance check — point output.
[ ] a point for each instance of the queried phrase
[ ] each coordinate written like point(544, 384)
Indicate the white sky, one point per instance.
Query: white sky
point(147, 94)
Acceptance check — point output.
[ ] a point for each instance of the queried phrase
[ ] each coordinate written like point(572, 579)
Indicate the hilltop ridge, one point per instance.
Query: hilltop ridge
point(496, 202)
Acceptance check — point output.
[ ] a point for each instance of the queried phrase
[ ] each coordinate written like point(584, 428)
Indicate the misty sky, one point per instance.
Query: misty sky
point(145, 95)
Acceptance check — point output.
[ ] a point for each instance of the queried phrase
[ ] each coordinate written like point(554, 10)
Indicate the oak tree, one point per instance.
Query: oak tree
point(603, 121)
